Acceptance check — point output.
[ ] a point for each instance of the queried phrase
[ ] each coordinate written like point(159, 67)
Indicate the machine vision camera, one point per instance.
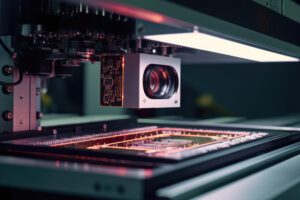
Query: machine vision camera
point(138, 80)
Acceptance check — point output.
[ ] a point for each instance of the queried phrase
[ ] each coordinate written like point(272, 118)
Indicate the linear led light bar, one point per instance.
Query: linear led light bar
point(202, 41)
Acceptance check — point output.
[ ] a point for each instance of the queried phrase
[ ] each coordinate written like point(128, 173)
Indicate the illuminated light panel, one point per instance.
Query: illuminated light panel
point(202, 41)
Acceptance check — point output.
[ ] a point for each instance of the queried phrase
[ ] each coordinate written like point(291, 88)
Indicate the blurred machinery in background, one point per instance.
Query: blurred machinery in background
point(51, 37)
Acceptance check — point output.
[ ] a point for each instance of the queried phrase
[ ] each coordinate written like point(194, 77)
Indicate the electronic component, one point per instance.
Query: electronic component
point(111, 85)
point(137, 80)
point(154, 142)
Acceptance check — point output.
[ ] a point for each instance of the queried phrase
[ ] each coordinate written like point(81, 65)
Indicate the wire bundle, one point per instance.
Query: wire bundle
point(14, 58)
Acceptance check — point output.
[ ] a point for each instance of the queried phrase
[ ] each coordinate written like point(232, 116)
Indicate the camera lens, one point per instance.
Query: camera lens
point(160, 81)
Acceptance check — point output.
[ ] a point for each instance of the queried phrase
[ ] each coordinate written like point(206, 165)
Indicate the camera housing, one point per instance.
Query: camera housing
point(138, 80)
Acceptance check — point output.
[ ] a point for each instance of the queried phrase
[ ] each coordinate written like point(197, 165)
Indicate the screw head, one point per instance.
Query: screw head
point(7, 70)
point(104, 127)
point(7, 115)
point(38, 91)
point(8, 89)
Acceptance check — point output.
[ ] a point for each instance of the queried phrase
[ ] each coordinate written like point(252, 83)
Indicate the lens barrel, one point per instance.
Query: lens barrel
point(160, 81)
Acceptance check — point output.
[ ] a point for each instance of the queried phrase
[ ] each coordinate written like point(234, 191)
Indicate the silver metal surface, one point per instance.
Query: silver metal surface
point(25, 104)
point(52, 120)
point(270, 183)
point(283, 121)
point(134, 95)
point(205, 124)
point(195, 186)
point(72, 178)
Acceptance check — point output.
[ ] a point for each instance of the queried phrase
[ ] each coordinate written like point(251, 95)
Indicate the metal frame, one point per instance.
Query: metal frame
point(144, 181)
point(176, 15)
point(199, 185)
point(24, 105)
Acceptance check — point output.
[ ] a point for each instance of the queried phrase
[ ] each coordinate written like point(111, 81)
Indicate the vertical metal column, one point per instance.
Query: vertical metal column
point(6, 100)
point(20, 110)
point(25, 112)
point(20, 104)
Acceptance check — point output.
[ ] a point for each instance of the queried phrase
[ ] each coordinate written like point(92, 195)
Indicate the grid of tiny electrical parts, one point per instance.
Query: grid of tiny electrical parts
point(155, 142)
point(111, 80)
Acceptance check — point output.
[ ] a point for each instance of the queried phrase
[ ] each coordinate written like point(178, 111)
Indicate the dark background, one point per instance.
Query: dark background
point(253, 90)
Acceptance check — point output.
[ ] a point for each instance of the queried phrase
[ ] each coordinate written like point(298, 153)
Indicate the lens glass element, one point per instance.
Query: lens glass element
point(160, 81)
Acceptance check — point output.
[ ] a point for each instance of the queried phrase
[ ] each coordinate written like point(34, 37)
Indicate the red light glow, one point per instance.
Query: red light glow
point(133, 12)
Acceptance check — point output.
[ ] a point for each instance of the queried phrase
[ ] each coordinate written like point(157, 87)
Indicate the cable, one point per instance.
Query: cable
point(6, 49)
point(14, 58)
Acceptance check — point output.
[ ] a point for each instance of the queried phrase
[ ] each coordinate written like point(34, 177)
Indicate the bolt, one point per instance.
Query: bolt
point(7, 70)
point(8, 89)
point(39, 115)
point(104, 127)
point(54, 131)
point(7, 115)
point(38, 91)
